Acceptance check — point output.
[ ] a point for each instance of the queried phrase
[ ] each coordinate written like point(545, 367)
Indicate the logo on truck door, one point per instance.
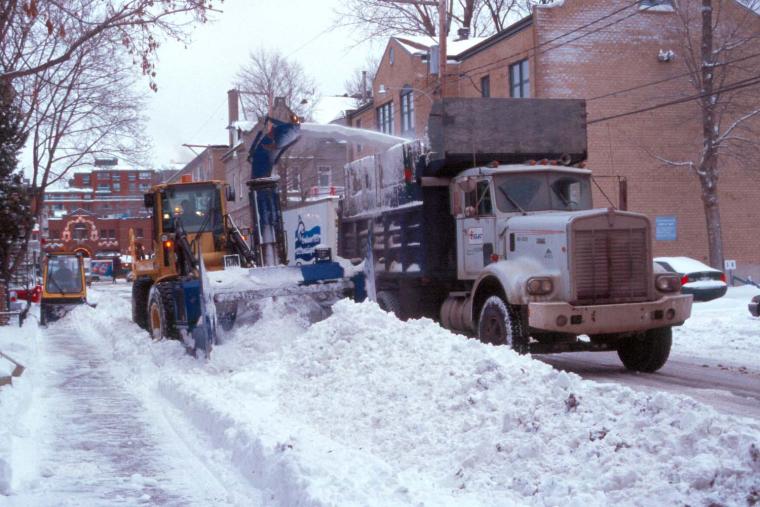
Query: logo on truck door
point(475, 235)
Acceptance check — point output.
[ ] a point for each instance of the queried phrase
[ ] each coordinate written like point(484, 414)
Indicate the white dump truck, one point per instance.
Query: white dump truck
point(491, 231)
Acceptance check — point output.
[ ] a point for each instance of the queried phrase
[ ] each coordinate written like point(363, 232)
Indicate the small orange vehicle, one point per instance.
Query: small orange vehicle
point(63, 285)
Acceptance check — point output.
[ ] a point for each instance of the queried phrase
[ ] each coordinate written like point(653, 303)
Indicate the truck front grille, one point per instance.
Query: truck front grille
point(611, 265)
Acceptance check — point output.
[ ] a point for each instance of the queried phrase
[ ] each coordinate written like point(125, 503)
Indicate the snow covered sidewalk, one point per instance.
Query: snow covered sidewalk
point(362, 409)
point(86, 440)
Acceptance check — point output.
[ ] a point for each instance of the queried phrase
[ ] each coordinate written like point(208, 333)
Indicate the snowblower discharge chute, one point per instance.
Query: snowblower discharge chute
point(204, 273)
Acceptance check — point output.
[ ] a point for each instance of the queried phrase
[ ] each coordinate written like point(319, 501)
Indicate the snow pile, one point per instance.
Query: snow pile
point(15, 399)
point(722, 330)
point(362, 409)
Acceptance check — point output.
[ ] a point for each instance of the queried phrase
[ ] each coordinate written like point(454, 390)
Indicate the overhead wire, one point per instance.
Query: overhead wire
point(744, 83)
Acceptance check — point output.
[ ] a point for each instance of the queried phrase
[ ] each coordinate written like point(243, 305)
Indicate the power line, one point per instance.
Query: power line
point(744, 83)
point(671, 78)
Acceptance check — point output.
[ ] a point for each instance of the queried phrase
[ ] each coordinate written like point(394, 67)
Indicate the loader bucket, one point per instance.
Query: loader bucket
point(313, 287)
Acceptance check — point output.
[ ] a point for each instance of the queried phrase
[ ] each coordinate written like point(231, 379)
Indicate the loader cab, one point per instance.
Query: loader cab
point(484, 199)
point(63, 285)
point(199, 208)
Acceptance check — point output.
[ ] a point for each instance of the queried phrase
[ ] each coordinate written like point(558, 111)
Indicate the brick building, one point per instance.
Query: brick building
point(207, 165)
point(607, 52)
point(94, 214)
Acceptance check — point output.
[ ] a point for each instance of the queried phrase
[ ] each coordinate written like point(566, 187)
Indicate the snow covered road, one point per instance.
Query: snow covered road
point(715, 358)
point(360, 409)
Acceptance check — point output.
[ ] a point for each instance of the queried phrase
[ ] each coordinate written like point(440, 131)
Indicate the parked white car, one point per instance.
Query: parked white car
point(702, 281)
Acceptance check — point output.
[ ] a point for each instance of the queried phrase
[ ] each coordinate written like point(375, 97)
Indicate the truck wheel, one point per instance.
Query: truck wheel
point(646, 352)
point(140, 291)
point(161, 318)
point(501, 324)
point(389, 302)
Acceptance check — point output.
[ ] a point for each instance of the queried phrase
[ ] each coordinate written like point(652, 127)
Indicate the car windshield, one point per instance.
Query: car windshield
point(542, 192)
point(197, 207)
point(63, 275)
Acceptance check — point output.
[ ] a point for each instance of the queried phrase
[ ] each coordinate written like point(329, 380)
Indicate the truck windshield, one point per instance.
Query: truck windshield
point(197, 207)
point(542, 192)
point(63, 275)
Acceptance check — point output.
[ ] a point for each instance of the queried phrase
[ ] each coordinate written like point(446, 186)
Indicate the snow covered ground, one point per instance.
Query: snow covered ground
point(722, 330)
point(362, 409)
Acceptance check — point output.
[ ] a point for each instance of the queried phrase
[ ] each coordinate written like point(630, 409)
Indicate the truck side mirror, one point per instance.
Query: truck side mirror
point(229, 193)
point(149, 200)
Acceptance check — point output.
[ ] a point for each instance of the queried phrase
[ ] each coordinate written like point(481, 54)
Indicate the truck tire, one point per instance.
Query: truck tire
point(389, 302)
point(161, 318)
point(140, 292)
point(501, 324)
point(646, 352)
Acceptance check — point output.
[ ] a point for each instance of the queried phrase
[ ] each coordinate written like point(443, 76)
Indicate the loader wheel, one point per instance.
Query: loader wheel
point(389, 302)
point(646, 352)
point(140, 292)
point(161, 318)
point(501, 324)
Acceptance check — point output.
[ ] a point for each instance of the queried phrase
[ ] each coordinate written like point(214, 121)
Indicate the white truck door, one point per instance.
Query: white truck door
point(476, 231)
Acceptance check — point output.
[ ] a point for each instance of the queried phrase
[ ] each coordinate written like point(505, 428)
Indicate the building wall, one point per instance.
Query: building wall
point(493, 60)
point(625, 57)
point(207, 165)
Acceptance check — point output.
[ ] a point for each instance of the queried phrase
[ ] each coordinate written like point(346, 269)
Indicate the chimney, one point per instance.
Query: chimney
point(463, 33)
point(233, 99)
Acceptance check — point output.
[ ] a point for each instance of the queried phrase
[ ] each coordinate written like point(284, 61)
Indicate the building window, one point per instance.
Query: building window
point(144, 187)
point(115, 177)
point(139, 233)
point(391, 55)
point(104, 187)
point(324, 175)
point(80, 232)
point(132, 176)
point(485, 86)
point(407, 112)
point(117, 187)
point(294, 182)
point(145, 175)
point(133, 187)
point(85, 179)
point(385, 118)
point(656, 5)
point(519, 80)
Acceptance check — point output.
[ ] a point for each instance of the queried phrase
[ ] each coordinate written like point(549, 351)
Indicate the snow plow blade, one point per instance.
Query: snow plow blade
point(320, 284)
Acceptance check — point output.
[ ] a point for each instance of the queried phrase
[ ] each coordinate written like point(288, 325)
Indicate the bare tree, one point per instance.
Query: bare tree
point(382, 18)
point(718, 42)
point(84, 108)
point(359, 84)
point(28, 26)
point(267, 75)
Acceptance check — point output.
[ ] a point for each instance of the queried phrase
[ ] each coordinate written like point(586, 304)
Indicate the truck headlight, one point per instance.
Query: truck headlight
point(667, 283)
point(539, 286)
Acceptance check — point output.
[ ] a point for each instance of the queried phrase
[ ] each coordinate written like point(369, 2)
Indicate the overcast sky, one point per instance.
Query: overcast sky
point(191, 103)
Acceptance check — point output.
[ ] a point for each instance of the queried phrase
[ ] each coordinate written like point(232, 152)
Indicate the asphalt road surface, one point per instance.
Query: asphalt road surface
point(729, 389)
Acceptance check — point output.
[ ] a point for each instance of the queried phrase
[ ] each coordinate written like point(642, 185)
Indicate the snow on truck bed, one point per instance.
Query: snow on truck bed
point(362, 409)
